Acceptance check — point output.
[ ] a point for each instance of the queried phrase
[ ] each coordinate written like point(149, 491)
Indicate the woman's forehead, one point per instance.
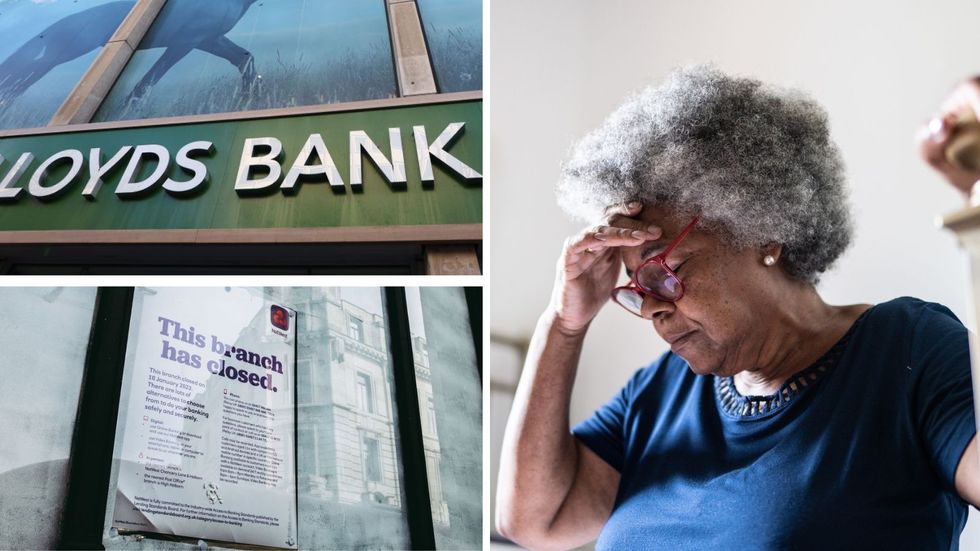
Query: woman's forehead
point(669, 219)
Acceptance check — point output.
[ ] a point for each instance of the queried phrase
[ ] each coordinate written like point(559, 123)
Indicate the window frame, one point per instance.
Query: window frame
point(365, 402)
point(355, 328)
point(369, 462)
point(93, 439)
point(145, 13)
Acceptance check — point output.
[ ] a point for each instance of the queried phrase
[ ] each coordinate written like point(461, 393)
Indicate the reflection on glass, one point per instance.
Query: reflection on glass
point(43, 334)
point(46, 47)
point(237, 55)
point(451, 410)
point(350, 484)
point(454, 31)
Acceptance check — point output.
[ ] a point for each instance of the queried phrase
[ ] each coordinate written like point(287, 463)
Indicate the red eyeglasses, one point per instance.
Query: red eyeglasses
point(653, 277)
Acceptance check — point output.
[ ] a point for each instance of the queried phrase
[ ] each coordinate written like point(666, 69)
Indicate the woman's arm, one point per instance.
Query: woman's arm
point(967, 478)
point(553, 492)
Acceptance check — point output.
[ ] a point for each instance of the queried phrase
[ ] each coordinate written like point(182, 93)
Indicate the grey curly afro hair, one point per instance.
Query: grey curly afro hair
point(756, 161)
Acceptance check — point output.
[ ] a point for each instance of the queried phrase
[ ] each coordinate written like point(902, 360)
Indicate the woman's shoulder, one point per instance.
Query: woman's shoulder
point(911, 312)
point(912, 327)
point(668, 369)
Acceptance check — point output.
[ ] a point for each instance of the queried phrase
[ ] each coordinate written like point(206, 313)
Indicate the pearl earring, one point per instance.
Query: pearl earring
point(769, 260)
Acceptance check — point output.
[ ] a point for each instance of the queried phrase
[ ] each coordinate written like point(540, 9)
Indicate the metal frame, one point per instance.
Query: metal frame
point(418, 508)
point(90, 461)
point(276, 112)
point(95, 428)
point(436, 233)
point(474, 305)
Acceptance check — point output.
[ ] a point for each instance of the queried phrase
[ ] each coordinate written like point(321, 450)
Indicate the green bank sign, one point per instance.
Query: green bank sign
point(411, 165)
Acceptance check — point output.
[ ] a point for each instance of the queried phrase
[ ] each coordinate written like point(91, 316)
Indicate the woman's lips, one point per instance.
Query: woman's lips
point(676, 341)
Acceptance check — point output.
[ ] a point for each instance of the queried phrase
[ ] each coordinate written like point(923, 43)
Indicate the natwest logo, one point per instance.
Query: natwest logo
point(279, 317)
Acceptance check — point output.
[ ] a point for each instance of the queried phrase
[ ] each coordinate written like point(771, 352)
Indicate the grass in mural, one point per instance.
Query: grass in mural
point(16, 115)
point(458, 58)
point(349, 77)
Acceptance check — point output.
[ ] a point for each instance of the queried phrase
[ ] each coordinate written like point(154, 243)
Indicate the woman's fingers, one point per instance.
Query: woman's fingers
point(624, 216)
point(629, 209)
point(601, 237)
point(599, 246)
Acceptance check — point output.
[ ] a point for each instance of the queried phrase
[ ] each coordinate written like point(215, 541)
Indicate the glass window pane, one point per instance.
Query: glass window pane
point(351, 496)
point(450, 403)
point(454, 32)
point(238, 55)
point(349, 482)
point(44, 336)
point(46, 48)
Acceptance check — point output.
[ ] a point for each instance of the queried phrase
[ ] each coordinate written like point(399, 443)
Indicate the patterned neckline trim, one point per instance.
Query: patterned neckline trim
point(736, 405)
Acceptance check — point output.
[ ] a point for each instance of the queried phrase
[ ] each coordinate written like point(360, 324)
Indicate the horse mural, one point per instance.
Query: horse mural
point(190, 25)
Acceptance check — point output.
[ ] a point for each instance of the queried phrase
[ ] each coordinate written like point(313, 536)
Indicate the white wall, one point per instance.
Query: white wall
point(556, 68)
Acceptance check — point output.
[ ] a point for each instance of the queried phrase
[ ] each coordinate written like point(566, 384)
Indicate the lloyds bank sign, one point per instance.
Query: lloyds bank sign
point(409, 165)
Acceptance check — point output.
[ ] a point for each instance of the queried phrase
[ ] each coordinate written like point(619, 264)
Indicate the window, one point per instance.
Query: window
point(46, 48)
point(244, 55)
point(357, 329)
point(372, 459)
point(431, 416)
point(437, 315)
point(365, 393)
point(454, 33)
point(51, 337)
point(351, 489)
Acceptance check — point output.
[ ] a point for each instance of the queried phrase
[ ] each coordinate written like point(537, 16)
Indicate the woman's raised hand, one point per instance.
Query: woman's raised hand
point(590, 264)
point(936, 135)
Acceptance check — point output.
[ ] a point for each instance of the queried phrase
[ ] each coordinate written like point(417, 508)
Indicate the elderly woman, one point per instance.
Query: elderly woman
point(776, 420)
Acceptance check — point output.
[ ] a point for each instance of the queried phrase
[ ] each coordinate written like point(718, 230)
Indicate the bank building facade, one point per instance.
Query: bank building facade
point(242, 417)
point(241, 137)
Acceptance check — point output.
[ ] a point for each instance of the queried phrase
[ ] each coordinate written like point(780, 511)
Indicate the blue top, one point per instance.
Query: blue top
point(857, 451)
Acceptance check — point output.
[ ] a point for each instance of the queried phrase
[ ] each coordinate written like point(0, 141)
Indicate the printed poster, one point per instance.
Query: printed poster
point(207, 450)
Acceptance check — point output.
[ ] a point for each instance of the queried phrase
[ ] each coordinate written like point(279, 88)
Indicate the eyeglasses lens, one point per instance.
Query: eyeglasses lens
point(630, 299)
point(654, 279)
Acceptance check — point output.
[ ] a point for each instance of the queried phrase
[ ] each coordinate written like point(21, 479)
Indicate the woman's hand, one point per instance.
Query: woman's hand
point(590, 264)
point(935, 136)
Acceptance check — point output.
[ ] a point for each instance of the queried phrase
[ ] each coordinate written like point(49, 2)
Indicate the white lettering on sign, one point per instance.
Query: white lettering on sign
point(6, 192)
point(393, 170)
point(325, 167)
point(438, 150)
point(192, 167)
point(39, 190)
point(260, 168)
point(250, 159)
point(97, 170)
point(127, 188)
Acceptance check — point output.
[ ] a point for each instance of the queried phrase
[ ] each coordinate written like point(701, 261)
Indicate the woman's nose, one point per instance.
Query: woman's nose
point(653, 307)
